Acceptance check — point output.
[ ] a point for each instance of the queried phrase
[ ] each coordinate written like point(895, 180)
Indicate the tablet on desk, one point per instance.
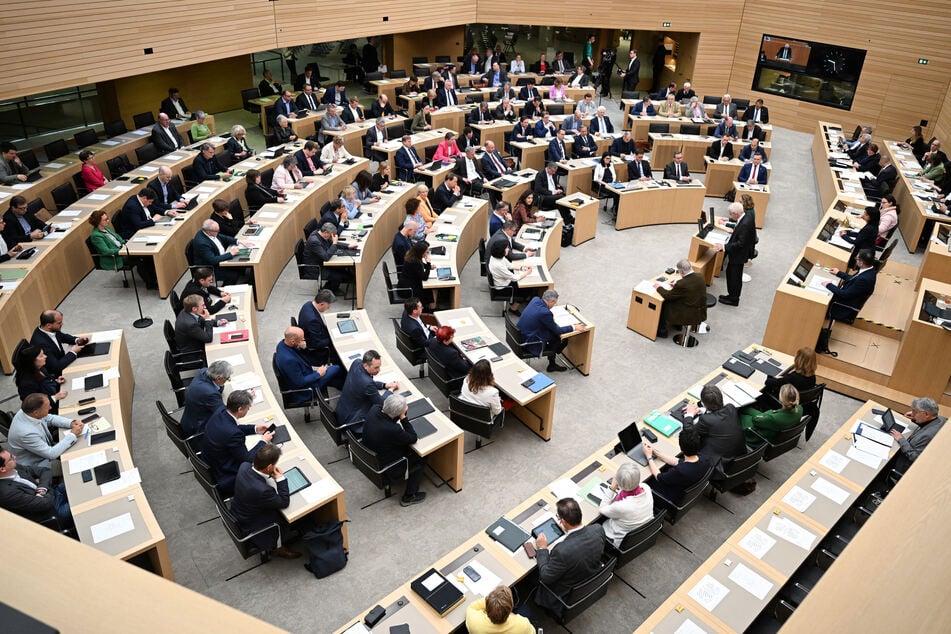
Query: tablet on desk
point(93, 382)
point(296, 480)
point(550, 529)
point(347, 326)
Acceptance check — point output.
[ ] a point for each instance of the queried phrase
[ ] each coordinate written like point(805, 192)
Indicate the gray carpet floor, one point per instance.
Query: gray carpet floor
point(388, 544)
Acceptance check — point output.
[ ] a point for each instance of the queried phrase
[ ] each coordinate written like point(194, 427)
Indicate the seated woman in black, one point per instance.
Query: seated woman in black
point(865, 237)
point(440, 346)
point(801, 374)
point(32, 377)
point(228, 223)
point(681, 473)
point(257, 194)
point(416, 268)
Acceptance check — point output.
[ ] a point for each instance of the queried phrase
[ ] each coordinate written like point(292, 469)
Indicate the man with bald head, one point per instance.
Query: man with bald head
point(165, 136)
point(168, 197)
point(211, 248)
point(298, 373)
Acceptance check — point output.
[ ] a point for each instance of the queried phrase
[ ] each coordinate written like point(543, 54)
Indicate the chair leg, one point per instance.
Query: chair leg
point(686, 339)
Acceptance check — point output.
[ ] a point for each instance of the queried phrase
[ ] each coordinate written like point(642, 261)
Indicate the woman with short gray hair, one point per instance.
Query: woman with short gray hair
point(628, 505)
point(237, 146)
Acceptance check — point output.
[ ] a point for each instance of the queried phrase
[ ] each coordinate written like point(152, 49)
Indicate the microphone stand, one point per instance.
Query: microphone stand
point(142, 321)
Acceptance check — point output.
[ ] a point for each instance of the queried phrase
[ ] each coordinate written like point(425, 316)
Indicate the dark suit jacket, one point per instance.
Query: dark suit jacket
point(373, 137)
point(751, 111)
point(594, 128)
point(747, 153)
point(639, 108)
point(724, 130)
point(747, 170)
point(41, 382)
point(163, 202)
point(360, 392)
point(714, 150)
point(258, 196)
point(848, 299)
point(194, 288)
point(318, 250)
point(500, 113)
point(457, 366)
point(315, 334)
point(56, 359)
point(633, 173)
point(685, 94)
point(192, 333)
point(296, 370)
point(377, 111)
point(207, 169)
point(489, 168)
point(257, 505)
point(13, 233)
point(22, 499)
point(418, 335)
point(347, 115)
point(390, 440)
point(131, 218)
point(442, 97)
point(330, 96)
point(266, 90)
point(206, 253)
point(286, 108)
point(299, 82)
point(500, 94)
point(885, 177)
point(224, 449)
point(723, 111)
point(443, 197)
point(302, 162)
point(169, 108)
point(869, 163)
point(720, 433)
point(670, 171)
point(401, 245)
point(750, 131)
point(202, 400)
point(686, 302)
point(516, 248)
point(161, 140)
point(584, 79)
point(489, 78)
point(620, 147)
point(478, 115)
point(540, 186)
point(537, 324)
point(527, 95)
point(557, 150)
point(584, 146)
point(572, 561)
point(741, 242)
point(519, 134)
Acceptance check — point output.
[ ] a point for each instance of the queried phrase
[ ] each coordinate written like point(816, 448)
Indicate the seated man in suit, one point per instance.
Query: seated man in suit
point(721, 435)
point(21, 226)
point(389, 434)
point(544, 128)
point(165, 137)
point(203, 396)
point(505, 91)
point(194, 326)
point(679, 473)
point(753, 173)
point(528, 91)
point(412, 324)
point(268, 86)
point(505, 111)
point(407, 160)
point(601, 124)
point(572, 124)
point(321, 246)
point(584, 144)
point(753, 148)
point(506, 234)
point(446, 95)
point(298, 372)
point(849, 298)
point(883, 182)
point(495, 77)
point(758, 113)
point(137, 213)
point(469, 171)
point(24, 497)
point(501, 214)
point(449, 193)
point(174, 106)
point(382, 108)
point(336, 95)
point(868, 162)
point(32, 442)
point(493, 164)
point(546, 187)
point(257, 503)
point(557, 150)
point(331, 121)
point(480, 114)
point(685, 303)
point(640, 168)
point(576, 558)
point(168, 196)
point(523, 131)
point(726, 108)
point(12, 169)
point(726, 128)
point(670, 89)
point(751, 131)
point(623, 146)
point(285, 105)
point(49, 337)
point(578, 79)
point(539, 330)
point(677, 169)
point(644, 108)
point(361, 391)
point(669, 107)
point(353, 112)
point(307, 100)
point(307, 78)
point(859, 148)
point(202, 283)
point(207, 167)
point(224, 448)
point(924, 414)
point(403, 241)
point(686, 93)
point(721, 149)
point(307, 160)
point(468, 139)
point(316, 335)
point(210, 247)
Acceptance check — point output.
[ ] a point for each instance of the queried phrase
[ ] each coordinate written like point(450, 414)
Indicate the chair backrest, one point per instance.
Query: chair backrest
point(421, 60)
point(21, 344)
point(175, 302)
point(396, 294)
point(190, 252)
point(556, 109)
point(886, 253)
point(740, 469)
point(96, 258)
point(711, 100)
point(640, 539)
point(28, 158)
point(6, 419)
point(516, 341)
point(691, 495)
point(79, 184)
point(146, 153)
point(267, 177)
point(587, 593)
point(440, 376)
point(64, 195)
point(143, 119)
point(658, 127)
point(305, 271)
point(483, 269)
point(376, 76)
point(443, 59)
point(55, 149)
point(168, 331)
point(247, 94)
point(114, 128)
point(117, 166)
point(398, 74)
point(328, 418)
point(471, 417)
point(475, 97)
point(311, 226)
point(366, 461)
point(786, 439)
point(85, 138)
point(690, 129)
point(203, 472)
point(404, 343)
point(173, 430)
point(35, 206)
point(741, 104)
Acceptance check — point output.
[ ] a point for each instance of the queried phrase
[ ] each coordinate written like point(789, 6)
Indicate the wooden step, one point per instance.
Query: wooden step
point(864, 389)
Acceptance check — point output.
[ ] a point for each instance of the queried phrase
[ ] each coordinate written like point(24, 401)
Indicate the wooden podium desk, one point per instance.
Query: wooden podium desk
point(306, 125)
point(521, 180)
point(467, 222)
point(694, 148)
point(936, 264)
point(420, 140)
point(760, 196)
point(704, 256)
point(798, 312)
point(450, 117)
point(914, 196)
point(388, 87)
point(658, 202)
point(381, 220)
point(834, 182)
point(643, 314)
point(585, 209)
point(444, 448)
point(580, 173)
point(496, 132)
point(547, 245)
point(533, 152)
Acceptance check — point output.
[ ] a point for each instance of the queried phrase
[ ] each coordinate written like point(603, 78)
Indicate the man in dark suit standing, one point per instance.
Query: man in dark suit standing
point(194, 326)
point(677, 169)
point(721, 434)
point(49, 336)
point(224, 448)
point(210, 247)
point(20, 225)
point(739, 250)
point(174, 106)
point(412, 324)
point(577, 557)
point(165, 136)
point(361, 391)
point(685, 303)
point(136, 213)
point(848, 299)
point(257, 504)
point(632, 74)
point(203, 396)
point(640, 168)
point(757, 114)
point(316, 335)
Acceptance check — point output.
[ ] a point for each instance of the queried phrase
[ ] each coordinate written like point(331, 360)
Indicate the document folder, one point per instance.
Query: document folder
point(738, 367)
point(538, 383)
point(662, 423)
point(437, 591)
point(507, 533)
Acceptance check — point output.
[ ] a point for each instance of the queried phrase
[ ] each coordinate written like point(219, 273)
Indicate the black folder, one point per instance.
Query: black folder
point(437, 591)
point(417, 408)
point(422, 427)
point(507, 533)
point(738, 367)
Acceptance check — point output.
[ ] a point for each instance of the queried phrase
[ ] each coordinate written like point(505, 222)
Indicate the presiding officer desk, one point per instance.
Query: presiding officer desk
point(743, 576)
point(493, 561)
point(323, 500)
point(115, 517)
point(443, 449)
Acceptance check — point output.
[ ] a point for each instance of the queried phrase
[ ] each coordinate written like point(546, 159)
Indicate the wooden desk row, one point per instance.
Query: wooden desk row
point(640, 125)
point(915, 196)
point(694, 148)
point(834, 182)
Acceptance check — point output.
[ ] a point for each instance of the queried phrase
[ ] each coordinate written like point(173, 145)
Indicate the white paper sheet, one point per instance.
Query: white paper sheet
point(870, 447)
point(126, 479)
point(834, 461)
point(565, 488)
point(88, 461)
point(69, 213)
point(110, 142)
point(459, 323)
point(689, 627)
point(790, 531)
point(22, 186)
point(488, 582)
point(112, 528)
point(799, 499)
point(829, 490)
point(97, 197)
point(865, 458)
point(708, 592)
point(266, 215)
point(140, 132)
point(317, 491)
point(54, 166)
point(79, 383)
point(646, 287)
point(105, 335)
point(754, 583)
point(757, 543)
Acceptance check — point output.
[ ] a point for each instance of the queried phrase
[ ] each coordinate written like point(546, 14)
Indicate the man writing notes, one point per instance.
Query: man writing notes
point(539, 330)
point(739, 249)
point(685, 303)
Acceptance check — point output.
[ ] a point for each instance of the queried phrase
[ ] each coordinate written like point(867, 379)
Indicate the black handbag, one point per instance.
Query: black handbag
point(325, 546)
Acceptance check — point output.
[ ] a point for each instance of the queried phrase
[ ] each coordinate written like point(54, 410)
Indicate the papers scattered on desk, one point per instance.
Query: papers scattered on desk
point(717, 236)
point(356, 628)
point(757, 543)
point(799, 499)
point(97, 197)
point(565, 488)
point(4, 195)
point(689, 627)
point(109, 142)
point(148, 168)
point(112, 528)
point(838, 241)
point(149, 238)
point(105, 335)
point(645, 287)
point(486, 584)
point(829, 490)
point(708, 593)
point(740, 394)
point(55, 235)
point(9, 286)
point(22, 186)
point(790, 531)
point(173, 157)
point(141, 132)
point(867, 459)
point(268, 215)
point(461, 322)
point(563, 317)
point(126, 479)
point(750, 581)
point(817, 283)
point(860, 443)
point(834, 461)
point(88, 461)
point(318, 491)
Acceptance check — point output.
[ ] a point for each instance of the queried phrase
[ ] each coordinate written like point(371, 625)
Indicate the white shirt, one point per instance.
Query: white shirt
point(471, 172)
point(3, 246)
point(221, 250)
point(168, 131)
point(517, 66)
point(627, 514)
point(331, 155)
point(178, 107)
point(271, 481)
point(501, 272)
point(487, 397)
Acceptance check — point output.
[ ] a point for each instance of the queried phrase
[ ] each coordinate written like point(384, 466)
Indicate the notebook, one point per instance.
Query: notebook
point(437, 591)
point(423, 427)
point(507, 533)
point(233, 336)
point(738, 367)
point(473, 343)
point(419, 407)
point(499, 348)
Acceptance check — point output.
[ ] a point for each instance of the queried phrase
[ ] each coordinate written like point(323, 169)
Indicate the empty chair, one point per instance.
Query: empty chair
point(738, 470)
point(556, 109)
point(118, 166)
point(247, 95)
point(270, 140)
point(658, 127)
point(784, 440)
point(629, 94)
point(371, 77)
point(582, 596)
point(395, 294)
point(690, 128)
point(175, 302)
point(55, 149)
point(35, 207)
point(146, 153)
point(475, 97)
point(398, 74)
point(28, 158)
point(64, 195)
point(473, 418)
point(404, 343)
point(267, 177)
point(483, 262)
point(143, 120)
point(85, 138)
point(691, 495)
point(174, 371)
point(443, 59)
point(711, 100)
point(638, 540)
point(741, 104)
point(114, 128)
point(421, 60)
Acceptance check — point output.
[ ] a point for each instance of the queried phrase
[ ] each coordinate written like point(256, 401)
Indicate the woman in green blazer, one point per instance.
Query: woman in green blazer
point(768, 424)
point(108, 244)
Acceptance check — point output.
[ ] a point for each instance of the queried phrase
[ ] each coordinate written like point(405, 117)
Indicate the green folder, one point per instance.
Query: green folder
point(8, 275)
point(663, 423)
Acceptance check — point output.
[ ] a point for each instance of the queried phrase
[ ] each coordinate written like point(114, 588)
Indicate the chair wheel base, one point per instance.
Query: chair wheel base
point(691, 341)
point(711, 300)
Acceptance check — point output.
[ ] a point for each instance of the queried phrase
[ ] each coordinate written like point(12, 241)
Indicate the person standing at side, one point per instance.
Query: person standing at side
point(738, 249)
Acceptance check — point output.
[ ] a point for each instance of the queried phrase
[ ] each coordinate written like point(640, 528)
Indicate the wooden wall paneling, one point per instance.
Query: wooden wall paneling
point(942, 125)
point(428, 43)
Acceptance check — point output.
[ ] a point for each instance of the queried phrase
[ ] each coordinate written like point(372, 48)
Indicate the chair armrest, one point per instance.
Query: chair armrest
point(261, 531)
point(760, 436)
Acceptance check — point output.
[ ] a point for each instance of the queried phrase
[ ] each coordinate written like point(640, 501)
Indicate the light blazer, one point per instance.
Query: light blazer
point(32, 443)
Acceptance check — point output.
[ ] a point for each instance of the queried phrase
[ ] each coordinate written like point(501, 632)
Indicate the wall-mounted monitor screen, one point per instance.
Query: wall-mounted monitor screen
point(809, 71)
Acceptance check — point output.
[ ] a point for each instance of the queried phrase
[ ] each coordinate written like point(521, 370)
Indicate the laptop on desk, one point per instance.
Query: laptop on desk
point(889, 423)
point(630, 439)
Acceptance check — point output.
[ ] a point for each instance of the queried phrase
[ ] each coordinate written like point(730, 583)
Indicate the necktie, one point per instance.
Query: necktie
point(562, 146)
point(310, 101)
point(756, 116)
point(640, 166)
point(498, 163)
point(310, 164)
point(753, 175)
point(678, 170)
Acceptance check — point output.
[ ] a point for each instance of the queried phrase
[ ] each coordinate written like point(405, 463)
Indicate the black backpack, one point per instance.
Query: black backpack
point(325, 545)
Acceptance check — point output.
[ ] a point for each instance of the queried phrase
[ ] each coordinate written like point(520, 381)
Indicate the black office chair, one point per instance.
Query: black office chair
point(475, 419)
point(313, 224)
point(639, 540)
point(737, 471)
point(85, 138)
point(175, 302)
point(118, 166)
point(328, 418)
point(183, 360)
point(506, 294)
point(475, 97)
point(247, 94)
point(147, 153)
point(404, 343)
point(18, 349)
point(267, 177)
point(582, 596)
point(398, 74)
point(6, 419)
point(690, 128)
point(691, 495)
point(440, 376)
point(242, 541)
point(64, 195)
point(711, 100)
point(395, 294)
point(741, 104)
point(443, 59)
point(783, 441)
point(143, 120)
point(421, 59)
point(305, 271)
point(97, 264)
point(28, 158)
point(174, 370)
point(173, 429)
point(290, 396)
point(114, 128)
point(515, 340)
point(371, 77)
point(368, 463)
point(483, 261)
point(659, 128)
point(556, 109)
point(55, 149)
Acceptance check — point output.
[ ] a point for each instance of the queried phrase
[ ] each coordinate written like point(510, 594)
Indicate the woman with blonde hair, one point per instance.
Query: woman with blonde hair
point(759, 426)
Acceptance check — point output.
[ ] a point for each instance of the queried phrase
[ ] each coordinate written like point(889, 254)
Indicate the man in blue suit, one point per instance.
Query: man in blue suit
point(224, 449)
point(623, 146)
point(493, 165)
point(210, 248)
point(257, 504)
point(753, 148)
point(557, 151)
point(336, 95)
point(361, 391)
point(644, 109)
point(407, 160)
point(297, 371)
point(538, 327)
point(726, 128)
point(316, 335)
point(136, 214)
point(412, 324)
point(753, 173)
point(848, 299)
point(286, 106)
point(203, 396)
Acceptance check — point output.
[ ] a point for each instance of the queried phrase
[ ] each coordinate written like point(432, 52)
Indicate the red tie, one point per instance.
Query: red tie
point(753, 176)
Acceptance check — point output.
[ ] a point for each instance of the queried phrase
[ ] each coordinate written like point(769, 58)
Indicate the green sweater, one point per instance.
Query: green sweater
point(767, 424)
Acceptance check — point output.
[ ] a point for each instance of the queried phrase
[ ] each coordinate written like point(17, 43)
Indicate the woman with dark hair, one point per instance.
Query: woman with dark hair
point(32, 377)
point(91, 175)
point(933, 169)
point(109, 245)
point(440, 346)
point(416, 268)
point(865, 237)
point(228, 224)
point(363, 184)
point(257, 194)
point(412, 213)
point(479, 387)
point(524, 211)
point(888, 218)
point(287, 175)
point(381, 180)
point(504, 276)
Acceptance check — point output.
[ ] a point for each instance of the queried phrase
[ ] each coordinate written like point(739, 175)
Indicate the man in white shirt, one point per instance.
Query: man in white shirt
point(166, 137)
point(467, 168)
point(335, 152)
point(587, 106)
